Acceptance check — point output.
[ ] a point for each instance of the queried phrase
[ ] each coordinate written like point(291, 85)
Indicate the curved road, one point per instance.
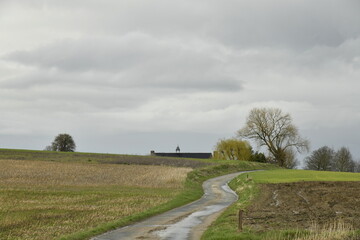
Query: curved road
point(186, 222)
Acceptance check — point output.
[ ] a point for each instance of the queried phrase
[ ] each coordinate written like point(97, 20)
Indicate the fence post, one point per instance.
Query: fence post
point(240, 226)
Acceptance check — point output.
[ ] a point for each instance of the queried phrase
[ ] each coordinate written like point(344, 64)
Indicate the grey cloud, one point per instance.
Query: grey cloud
point(135, 60)
point(347, 53)
point(284, 24)
point(287, 24)
point(74, 97)
point(89, 54)
point(57, 91)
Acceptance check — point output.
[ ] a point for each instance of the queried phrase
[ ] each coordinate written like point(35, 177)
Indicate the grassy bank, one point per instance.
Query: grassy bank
point(248, 188)
point(48, 195)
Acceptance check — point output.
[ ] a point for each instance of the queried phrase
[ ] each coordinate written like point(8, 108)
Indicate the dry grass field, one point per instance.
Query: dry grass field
point(46, 200)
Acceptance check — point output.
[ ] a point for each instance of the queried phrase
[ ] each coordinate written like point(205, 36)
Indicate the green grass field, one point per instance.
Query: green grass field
point(51, 195)
point(286, 175)
point(247, 187)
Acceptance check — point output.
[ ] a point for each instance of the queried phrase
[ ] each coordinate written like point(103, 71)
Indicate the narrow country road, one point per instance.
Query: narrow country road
point(186, 222)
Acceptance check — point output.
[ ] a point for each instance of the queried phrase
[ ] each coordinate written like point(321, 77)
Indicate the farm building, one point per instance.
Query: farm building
point(179, 154)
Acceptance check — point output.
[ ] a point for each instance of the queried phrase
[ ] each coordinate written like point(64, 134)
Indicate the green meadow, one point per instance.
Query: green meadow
point(287, 175)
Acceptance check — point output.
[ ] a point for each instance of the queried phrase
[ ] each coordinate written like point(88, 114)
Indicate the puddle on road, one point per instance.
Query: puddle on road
point(226, 188)
point(182, 229)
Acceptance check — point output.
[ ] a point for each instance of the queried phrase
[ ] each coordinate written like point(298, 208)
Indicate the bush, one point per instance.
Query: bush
point(258, 157)
point(232, 149)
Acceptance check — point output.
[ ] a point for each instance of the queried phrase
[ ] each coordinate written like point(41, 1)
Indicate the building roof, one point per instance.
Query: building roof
point(184, 155)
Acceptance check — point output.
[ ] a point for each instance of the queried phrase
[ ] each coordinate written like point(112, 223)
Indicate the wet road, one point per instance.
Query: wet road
point(186, 222)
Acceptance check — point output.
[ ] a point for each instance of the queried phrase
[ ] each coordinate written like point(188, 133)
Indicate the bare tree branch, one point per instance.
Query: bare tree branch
point(271, 128)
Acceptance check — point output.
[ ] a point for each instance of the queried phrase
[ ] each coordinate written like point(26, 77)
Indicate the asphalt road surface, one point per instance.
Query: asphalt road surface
point(186, 222)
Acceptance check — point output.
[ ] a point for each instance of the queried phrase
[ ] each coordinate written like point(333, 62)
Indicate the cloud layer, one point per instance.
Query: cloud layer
point(119, 69)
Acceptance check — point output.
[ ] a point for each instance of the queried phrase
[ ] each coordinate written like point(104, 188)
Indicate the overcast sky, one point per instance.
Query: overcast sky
point(132, 76)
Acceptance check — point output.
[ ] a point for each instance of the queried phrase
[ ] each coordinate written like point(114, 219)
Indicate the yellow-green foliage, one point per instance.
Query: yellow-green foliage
point(233, 149)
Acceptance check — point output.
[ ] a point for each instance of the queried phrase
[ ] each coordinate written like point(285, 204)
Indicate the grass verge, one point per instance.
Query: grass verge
point(247, 187)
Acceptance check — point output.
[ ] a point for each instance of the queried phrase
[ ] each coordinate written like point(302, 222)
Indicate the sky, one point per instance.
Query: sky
point(132, 76)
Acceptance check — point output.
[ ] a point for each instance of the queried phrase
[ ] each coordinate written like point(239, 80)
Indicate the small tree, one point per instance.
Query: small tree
point(233, 149)
point(320, 159)
point(343, 161)
point(63, 143)
point(271, 128)
point(258, 157)
point(48, 148)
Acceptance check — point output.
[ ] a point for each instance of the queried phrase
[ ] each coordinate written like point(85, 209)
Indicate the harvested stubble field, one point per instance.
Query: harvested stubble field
point(46, 200)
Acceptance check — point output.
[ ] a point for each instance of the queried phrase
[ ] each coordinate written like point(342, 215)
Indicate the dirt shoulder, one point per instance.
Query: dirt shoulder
point(299, 205)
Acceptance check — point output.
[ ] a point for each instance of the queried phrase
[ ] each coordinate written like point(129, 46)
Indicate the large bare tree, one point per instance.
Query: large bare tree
point(272, 128)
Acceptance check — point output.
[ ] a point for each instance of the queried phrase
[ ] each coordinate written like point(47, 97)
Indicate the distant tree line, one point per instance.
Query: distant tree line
point(327, 159)
point(272, 129)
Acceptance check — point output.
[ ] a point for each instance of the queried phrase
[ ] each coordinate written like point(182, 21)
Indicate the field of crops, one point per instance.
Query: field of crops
point(46, 200)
